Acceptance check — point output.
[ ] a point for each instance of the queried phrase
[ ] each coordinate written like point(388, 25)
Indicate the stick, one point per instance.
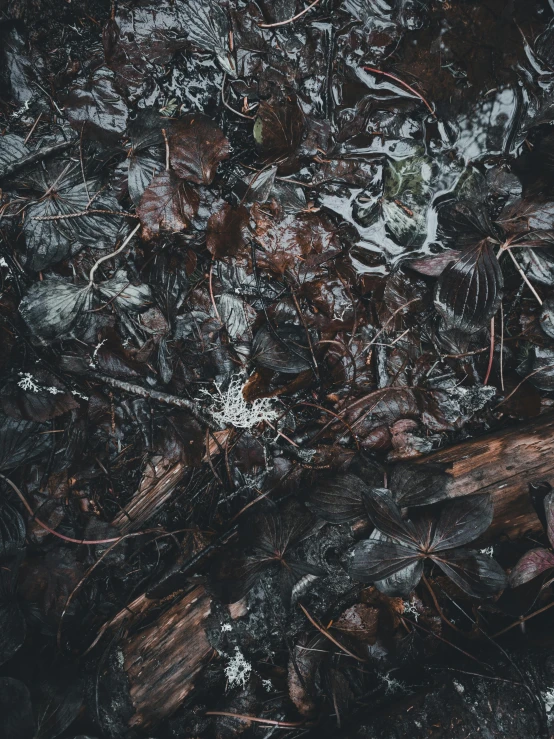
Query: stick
point(290, 20)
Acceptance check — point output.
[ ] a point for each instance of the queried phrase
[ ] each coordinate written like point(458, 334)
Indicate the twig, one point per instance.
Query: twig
point(329, 636)
point(226, 104)
point(384, 326)
point(142, 392)
point(290, 20)
point(166, 150)
point(84, 213)
point(491, 353)
point(33, 128)
point(540, 369)
point(404, 84)
point(522, 620)
point(440, 638)
point(212, 294)
point(255, 719)
point(439, 609)
point(502, 346)
point(524, 277)
point(35, 156)
point(109, 256)
point(69, 539)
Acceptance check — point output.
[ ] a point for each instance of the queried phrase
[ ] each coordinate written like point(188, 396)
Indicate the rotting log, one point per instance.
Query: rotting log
point(163, 660)
point(503, 464)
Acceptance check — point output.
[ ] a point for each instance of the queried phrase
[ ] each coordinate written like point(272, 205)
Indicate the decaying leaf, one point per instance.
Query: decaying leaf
point(196, 147)
point(167, 204)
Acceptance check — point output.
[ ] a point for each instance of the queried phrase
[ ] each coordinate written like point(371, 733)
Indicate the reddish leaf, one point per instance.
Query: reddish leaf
point(531, 565)
point(168, 204)
point(196, 147)
point(227, 231)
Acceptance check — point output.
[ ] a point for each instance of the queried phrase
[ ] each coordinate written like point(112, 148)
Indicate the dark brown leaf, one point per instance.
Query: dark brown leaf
point(476, 574)
point(531, 565)
point(469, 290)
point(385, 515)
point(227, 231)
point(196, 147)
point(374, 560)
point(462, 521)
point(339, 499)
point(167, 204)
point(278, 128)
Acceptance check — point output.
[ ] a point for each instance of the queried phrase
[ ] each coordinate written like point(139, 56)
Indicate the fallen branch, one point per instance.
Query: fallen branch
point(34, 157)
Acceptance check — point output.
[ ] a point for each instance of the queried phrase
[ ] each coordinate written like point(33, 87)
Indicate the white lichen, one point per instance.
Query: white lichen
point(268, 685)
point(238, 669)
point(28, 383)
point(392, 685)
point(548, 698)
point(410, 609)
point(228, 407)
point(226, 627)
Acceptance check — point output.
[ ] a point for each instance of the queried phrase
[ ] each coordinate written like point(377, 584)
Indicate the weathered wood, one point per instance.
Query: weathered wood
point(503, 464)
point(163, 660)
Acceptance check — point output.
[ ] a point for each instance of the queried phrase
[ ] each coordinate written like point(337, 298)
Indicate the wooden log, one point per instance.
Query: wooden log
point(163, 661)
point(503, 464)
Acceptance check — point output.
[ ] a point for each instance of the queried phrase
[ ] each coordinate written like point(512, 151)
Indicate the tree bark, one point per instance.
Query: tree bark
point(503, 464)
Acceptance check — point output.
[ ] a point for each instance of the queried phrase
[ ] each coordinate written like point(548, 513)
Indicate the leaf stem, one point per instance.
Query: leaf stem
point(109, 256)
point(289, 20)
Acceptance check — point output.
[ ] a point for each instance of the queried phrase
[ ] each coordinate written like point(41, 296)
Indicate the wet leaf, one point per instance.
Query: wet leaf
point(385, 515)
point(12, 531)
point(21, 441)
point(227, 231)
point(476, 574)
point(466, 223)
point(95, 107)
point(196, 147)
point(138, 39)
point(12, 149)
point(52, 308)
point(417, 485)
point(278, 128)
point(469, 290)
point(125, 293)
point(462, 521)
point(531, 565)
point(208, 28)
point(59, 700)
point(16, 710)
point(49, 241)
point(434, 266)
point(167, 204)
point(374, 560)
point(281, 350)
point(13, 630)
point(338, 499)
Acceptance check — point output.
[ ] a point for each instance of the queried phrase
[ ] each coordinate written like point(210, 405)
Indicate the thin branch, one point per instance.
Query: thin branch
point(522, 620)
point(437, 606)
point(84, 213)
point(330, 636)
point(404, 84)
point(524, 277)
point(491, 354)
point(113, 254)
point(290, 20)
point(166, 150)
point(35, 156)
point(69, 539)
point(226, 104)
point(255, 719)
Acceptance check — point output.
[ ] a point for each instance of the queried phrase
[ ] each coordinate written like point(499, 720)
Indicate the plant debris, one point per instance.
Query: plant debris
point(277, 369)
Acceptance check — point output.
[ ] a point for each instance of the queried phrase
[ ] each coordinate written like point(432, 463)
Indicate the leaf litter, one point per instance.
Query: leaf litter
point(257, 262)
